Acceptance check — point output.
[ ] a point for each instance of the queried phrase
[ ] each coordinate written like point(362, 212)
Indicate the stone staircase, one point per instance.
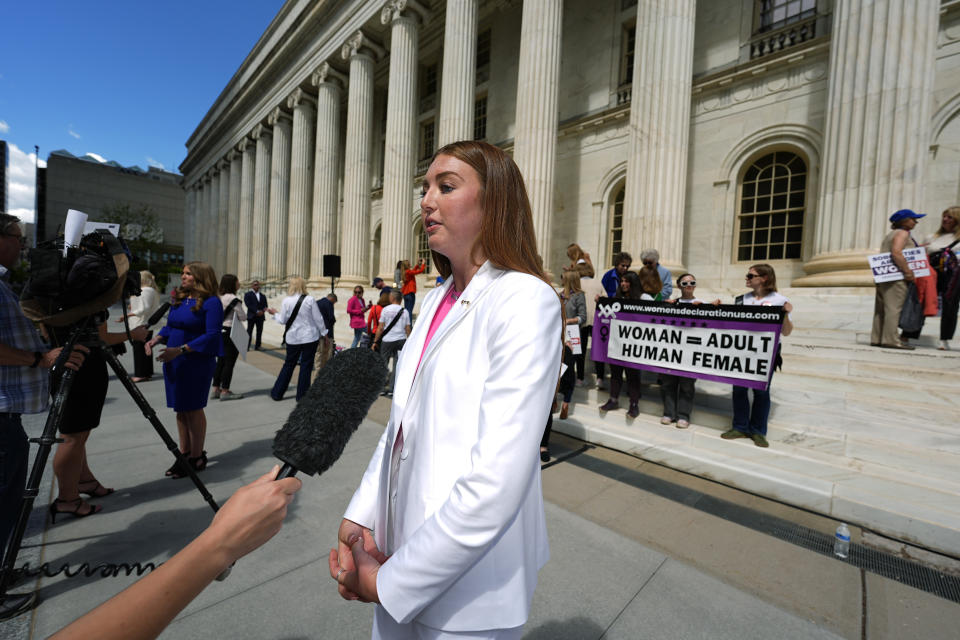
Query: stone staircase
point(866, 435)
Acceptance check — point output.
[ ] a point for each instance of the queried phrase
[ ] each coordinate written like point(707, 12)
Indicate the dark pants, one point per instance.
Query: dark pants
point(256, 321)
point(747, 419)
point(391, 351)
point(142, 363)
point(633, 382)
point(223, 374)
point(677, 395)
point(581, 360)
point(14, 456)
point(408, 301)
point(545, 438)
point(948, 315)
point(295, 352)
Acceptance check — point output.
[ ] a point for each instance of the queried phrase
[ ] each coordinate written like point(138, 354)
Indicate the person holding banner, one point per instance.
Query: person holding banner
point(632, 289)
point(751, 422)
point(223, 374)
point(676, 392)
point(890, 296)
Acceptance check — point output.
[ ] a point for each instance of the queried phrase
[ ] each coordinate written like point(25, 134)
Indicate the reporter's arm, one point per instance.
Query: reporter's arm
point(253, 515)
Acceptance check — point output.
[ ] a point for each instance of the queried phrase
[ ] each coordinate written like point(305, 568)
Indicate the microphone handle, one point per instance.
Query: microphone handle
point(286, 471)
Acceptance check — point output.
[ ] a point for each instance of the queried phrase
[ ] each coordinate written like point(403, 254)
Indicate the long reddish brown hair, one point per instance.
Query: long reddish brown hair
point(204, 285)
point(506, 228)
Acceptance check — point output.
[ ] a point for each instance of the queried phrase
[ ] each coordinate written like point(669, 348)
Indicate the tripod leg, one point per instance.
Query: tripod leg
point(45, 442)
point(151, 417)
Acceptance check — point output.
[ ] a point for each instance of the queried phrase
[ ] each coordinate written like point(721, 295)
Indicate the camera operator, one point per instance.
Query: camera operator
point(24, 361)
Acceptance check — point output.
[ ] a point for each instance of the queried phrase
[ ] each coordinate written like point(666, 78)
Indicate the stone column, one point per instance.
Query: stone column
point(279, 196)
point(203, 221)
point(233, 215)
point(458, 76)
point(535, 142)
point(326, 197)
point(400, 163)
point(247, 152)
point(189, 221)
point(213, 220)
point(877, 132)
point(656, 185)
point(261, 202)
point(223, 218)
point(356, 178)
point(301, 184)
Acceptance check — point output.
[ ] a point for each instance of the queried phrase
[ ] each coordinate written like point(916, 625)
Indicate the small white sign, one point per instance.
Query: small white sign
point(884, 269)
point(572, 332)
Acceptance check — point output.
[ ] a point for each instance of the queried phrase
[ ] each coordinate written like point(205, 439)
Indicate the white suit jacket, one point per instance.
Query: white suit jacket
point(468, 523)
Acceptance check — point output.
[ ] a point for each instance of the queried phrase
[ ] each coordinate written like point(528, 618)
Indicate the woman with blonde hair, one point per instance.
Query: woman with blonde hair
point(193, 343)
point(139, 310)
point(943, 246)
point(575, 307)
point(304, 327)
point(579, 261)
point(446, 532)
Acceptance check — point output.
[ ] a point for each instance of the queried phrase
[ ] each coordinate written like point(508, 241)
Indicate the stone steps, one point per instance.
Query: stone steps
point(859, 433)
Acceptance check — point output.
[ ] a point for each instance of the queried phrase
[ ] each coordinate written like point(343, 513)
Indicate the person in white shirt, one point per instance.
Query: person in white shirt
point(223, 374)
point(393, 340)
point(751, 422)
point(139, 309)
point(676, 392)
point(304, 328)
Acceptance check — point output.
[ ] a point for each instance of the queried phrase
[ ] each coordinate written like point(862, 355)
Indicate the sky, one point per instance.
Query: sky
point(122, 81)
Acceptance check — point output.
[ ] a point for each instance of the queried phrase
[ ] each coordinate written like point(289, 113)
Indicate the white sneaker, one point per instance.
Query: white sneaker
point(944, 346)
point(666, 420)
point(682, 424)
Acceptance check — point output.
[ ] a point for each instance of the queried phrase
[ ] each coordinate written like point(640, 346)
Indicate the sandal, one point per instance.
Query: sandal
point(97, 490)
point(76, 513)
point(174, 468)
point(197, 464)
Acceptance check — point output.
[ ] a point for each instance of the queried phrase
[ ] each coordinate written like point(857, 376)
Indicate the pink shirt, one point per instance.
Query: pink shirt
point(355, 311)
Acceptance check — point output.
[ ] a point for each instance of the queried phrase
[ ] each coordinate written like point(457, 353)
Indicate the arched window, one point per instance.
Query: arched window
point(615, 235)
point(423, 247)
point(772, 197)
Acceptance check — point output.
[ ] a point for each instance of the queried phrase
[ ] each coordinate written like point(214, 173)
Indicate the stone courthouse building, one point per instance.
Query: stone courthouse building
point(721, 132)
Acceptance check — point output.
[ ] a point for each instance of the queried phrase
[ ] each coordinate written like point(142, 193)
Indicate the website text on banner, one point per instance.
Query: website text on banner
point(884, 270)
point(733, 344)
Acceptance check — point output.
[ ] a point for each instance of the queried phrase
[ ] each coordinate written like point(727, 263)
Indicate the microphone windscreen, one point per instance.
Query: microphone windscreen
point(336, 403)
point(159, 313)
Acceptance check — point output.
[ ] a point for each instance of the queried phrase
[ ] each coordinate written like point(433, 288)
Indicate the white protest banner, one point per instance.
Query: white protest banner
point(884, 270)
point(733, 344)
point(573, 337)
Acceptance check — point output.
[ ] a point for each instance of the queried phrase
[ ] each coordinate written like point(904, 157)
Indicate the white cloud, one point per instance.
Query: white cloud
point(72, 132)
point(96, 156)
point(22, 183)
point(4, 127)
point(154, 163)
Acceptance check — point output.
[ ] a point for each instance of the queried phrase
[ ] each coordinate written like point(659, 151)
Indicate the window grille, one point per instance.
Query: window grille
point(772, 202)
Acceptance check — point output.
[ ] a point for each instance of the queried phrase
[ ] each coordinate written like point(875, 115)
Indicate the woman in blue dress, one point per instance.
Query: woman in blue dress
point(193, 340)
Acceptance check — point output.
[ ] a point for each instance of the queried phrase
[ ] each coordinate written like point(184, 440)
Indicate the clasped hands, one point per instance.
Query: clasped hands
point(355, 562)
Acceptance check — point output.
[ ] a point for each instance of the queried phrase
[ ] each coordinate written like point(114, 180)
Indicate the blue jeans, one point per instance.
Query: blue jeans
point(751, 420)
point(408, 300)
point(357, 332)
point(295, 352)
point(14, 456)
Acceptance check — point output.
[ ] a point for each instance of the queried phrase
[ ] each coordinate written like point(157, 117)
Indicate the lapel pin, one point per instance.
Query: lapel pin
point(465, 303)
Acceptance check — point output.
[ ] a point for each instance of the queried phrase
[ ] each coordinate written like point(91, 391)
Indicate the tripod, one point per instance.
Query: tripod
point(85, 333)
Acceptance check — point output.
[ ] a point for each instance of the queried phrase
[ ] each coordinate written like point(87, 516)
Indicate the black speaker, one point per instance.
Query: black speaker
point(331, 266)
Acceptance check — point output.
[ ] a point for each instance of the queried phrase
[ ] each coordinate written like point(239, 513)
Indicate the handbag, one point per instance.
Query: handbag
point(376, 345)
point(911, 315)
point(293, 316)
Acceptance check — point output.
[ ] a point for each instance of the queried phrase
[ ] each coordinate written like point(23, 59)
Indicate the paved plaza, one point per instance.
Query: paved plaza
point(633, 553)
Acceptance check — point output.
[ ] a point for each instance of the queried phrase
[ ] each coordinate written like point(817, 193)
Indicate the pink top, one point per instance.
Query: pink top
point(355, 311)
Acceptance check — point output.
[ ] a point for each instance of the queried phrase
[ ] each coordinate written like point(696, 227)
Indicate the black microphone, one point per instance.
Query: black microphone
point(159, 313)
point(320, 425)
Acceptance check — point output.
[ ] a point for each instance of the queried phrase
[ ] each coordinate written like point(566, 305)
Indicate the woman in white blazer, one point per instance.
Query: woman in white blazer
point(447, 530)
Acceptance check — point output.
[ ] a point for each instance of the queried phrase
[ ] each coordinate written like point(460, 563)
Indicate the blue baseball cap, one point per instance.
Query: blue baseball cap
point(905, 213)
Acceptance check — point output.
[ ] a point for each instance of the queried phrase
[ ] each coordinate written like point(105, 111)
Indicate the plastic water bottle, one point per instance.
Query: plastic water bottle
point(841, 542)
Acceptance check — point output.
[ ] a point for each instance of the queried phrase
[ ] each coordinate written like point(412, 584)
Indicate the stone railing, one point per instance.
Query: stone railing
point(422, 165)
point(624, 92)
point(769, 42)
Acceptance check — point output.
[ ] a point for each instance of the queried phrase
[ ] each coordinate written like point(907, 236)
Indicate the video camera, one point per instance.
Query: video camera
point(67, 286)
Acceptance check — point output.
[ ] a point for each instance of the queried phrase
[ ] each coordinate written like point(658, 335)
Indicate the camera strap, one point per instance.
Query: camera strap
point(293, 316)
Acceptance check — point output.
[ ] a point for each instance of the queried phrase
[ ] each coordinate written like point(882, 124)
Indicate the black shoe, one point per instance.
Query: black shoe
point(13, 604)
point(544, 456)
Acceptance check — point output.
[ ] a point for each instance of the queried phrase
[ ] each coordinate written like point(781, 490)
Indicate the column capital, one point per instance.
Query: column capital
point(244, 143)
point(360, 44)
point(260, 131)
point(223, 163)
point(395, 9)
point(326, 74)
point(278, 116)
point(299, 96)
point(232, 155)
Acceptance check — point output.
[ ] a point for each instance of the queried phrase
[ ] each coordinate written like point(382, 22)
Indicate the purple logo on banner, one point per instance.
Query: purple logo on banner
point(733, 344)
